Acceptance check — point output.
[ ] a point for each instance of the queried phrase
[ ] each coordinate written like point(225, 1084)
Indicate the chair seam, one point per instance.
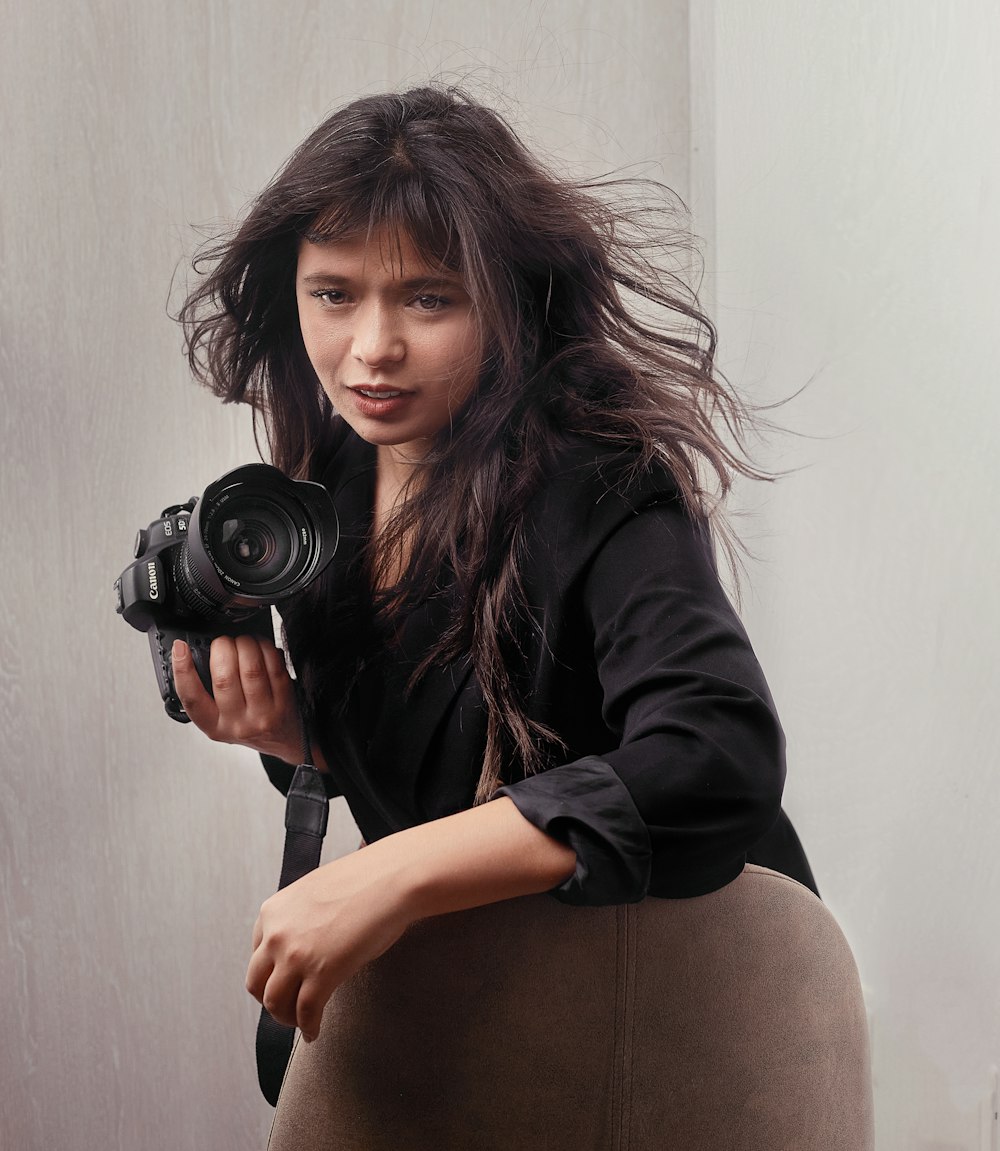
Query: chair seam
point(629, 1024)
point(618, 1040)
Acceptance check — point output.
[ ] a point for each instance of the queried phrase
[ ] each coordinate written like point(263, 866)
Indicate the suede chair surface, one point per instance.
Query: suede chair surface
point(730, 1021)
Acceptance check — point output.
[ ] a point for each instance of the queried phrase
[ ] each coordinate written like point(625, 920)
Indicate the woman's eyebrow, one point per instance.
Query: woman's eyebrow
point(325, 278)
point(411, 284)
point(433, 281)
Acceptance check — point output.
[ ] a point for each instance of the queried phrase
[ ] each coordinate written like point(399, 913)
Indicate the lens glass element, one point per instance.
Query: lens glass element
point(249, 543)
point(254, 541)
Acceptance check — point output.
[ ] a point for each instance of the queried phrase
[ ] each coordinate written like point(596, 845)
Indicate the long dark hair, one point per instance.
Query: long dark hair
point(589, 327)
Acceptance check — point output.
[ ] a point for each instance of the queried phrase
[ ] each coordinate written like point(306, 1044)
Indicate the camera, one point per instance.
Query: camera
point(215, 565)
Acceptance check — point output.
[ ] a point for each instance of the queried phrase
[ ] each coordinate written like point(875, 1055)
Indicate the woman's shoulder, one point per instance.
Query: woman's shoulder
point(598, 481)
point(590, 490)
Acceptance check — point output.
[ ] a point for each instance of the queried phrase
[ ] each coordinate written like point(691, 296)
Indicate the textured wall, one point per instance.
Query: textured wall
point(133, 853)
point(853, 156)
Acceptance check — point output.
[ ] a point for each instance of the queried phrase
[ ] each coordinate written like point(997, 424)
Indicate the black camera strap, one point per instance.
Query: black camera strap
point(306, 813)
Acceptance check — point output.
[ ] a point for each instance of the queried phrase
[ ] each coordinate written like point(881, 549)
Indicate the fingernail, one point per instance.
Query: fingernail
point(179, 648)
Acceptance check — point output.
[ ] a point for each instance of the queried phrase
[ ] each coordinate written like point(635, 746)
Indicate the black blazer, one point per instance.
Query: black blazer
point(674, 759)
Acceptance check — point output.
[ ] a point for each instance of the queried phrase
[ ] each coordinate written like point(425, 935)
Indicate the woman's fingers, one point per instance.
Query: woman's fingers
point(197, 702)
point(289, 996)
point(278, 995)
point(255, 679)
point(282, 688)
point(252, 701)
point(227, 686)
point(294, 1004)
point(309, 1009)
point(258, 972)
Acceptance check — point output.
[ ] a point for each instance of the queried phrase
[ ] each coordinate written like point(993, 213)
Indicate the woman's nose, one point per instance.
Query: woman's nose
point(377, 338)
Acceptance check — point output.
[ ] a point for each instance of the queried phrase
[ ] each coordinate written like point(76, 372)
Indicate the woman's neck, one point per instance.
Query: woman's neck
point(395, 475)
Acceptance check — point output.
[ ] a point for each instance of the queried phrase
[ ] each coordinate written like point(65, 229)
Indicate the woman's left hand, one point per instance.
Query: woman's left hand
point(316, 933)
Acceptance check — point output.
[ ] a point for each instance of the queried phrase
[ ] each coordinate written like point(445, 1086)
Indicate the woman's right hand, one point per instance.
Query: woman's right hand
point(254, 700)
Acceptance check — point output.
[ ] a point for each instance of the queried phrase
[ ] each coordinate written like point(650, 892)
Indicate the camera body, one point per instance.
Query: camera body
point(216, 565)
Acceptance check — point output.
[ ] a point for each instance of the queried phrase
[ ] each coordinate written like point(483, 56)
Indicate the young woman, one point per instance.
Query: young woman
point(520, 670)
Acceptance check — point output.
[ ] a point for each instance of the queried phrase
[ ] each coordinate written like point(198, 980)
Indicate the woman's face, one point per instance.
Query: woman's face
point(393, 340)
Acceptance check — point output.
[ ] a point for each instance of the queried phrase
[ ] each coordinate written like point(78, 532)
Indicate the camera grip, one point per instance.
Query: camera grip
point(161, 642)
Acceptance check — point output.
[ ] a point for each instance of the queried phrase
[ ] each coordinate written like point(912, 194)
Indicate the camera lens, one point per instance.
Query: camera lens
point(249, 547)
point(254, 540)
point(257, 546)
point(255, 537)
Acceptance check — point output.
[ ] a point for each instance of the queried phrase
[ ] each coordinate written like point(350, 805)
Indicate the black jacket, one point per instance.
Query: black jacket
point(674, 759)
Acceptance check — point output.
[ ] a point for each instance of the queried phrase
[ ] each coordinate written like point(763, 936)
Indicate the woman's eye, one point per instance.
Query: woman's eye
point(430, 303)
point(329, 295)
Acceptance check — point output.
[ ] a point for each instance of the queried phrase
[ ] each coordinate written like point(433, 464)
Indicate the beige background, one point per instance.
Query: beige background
point(856, 183)
point(843, 163)
point(133, 853)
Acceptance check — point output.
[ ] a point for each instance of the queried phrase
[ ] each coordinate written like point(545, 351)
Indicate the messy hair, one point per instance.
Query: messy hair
point(589, 328)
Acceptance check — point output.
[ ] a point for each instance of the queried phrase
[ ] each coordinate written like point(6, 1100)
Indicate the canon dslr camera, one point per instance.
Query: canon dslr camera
point(215, 565)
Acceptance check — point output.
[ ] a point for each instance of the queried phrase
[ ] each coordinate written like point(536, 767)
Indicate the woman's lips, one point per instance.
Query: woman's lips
point(381, 401)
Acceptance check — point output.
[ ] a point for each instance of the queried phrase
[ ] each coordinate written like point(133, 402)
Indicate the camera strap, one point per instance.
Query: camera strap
point(306, 813)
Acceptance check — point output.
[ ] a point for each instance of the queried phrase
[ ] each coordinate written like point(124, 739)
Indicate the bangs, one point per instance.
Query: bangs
point(394, 209)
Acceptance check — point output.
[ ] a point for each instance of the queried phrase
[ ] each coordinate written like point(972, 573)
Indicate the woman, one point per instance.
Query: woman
point(520, 670)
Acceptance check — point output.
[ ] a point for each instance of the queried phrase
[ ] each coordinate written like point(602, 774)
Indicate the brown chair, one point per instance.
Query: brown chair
point(730, 1021)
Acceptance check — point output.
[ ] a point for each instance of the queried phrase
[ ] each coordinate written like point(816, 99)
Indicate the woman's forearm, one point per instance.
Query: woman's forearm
point(475, 857)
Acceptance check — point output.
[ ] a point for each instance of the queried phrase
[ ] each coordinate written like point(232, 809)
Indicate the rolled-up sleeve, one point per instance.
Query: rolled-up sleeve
point(587, 806)
point(695, 768)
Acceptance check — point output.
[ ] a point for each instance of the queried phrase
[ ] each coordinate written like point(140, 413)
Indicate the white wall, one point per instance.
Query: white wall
point(847, 165)
point(133, 854)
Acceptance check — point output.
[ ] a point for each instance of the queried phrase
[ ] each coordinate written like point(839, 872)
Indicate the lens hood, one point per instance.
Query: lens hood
point(257, 537)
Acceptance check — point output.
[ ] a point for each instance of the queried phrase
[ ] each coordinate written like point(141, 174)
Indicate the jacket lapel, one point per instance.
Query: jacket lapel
point(412, 717)
point(390, 758)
